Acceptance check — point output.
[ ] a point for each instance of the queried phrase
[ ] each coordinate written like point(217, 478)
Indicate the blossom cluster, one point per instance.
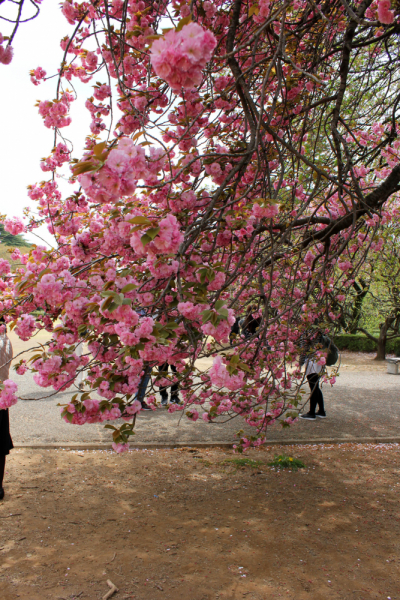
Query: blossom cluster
point(180, 56)
point(6, 53)
point(124, 166)
point(14, 225)
point(8, 394)
point(55, 114)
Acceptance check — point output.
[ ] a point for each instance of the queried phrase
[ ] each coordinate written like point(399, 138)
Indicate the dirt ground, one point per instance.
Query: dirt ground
point(184, 524)
point(362, 361)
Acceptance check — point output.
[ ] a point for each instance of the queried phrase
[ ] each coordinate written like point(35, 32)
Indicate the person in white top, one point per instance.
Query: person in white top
point(309, 344)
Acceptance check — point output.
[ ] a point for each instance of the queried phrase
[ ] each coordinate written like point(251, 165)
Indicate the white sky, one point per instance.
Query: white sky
point(23, 138)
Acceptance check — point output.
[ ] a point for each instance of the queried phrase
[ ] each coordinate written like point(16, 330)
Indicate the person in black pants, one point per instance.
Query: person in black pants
point(309, 343)
point(163, 369)
point(6, 354)
point(316, 399)
point(5, 445)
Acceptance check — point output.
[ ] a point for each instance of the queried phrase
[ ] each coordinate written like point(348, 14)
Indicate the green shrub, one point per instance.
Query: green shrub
point(360, 343)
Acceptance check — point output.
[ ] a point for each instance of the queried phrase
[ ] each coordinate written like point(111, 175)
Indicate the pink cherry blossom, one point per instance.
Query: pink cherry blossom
point(120, 448)
point(25, 327)
point(14, 225)
point(385, 15)
point(7, 394)
point(179, 57)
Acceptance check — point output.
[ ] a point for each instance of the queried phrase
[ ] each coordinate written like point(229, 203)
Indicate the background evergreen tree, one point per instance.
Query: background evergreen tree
point(8, 239)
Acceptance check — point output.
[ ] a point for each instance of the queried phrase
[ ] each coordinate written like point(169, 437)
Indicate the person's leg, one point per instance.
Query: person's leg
point(143, 386)
point(313, 382)
point(174, 387)
point(79, 377)
point(2, 467)
point(320, 401)
point(163, 370)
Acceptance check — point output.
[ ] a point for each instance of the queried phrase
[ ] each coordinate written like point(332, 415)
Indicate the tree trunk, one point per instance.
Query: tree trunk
point(381, 351)
point(361, 292)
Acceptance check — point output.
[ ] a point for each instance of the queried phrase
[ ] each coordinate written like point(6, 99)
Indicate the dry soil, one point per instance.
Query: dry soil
point(186, 524)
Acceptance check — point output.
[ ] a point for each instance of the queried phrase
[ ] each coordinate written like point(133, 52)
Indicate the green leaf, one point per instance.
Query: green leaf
point(140, 221)
point(149, 235)
point(83, 167)
point(206, 314)
point(234, 361)
point(253, 10)
point(99, 149)
point(183, 22)
point(145, 239)
point(171, 325)
point(203, 275)
point(244, 367)
point(106, 303)
point(152, 232)
point(128, 288)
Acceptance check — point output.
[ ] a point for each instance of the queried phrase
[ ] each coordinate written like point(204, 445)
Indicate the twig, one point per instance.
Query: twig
point(8, 516)
point(110, 561)
point(112, 590)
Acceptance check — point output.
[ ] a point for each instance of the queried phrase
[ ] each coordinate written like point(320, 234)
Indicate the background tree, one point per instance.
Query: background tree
point(381, 311)
point(10, 240)
point(240, 155)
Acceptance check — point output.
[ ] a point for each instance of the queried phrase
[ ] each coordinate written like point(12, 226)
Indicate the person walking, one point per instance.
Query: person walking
point(144, 382)
point(6, 354)
point(174, 388)
point(308, 346)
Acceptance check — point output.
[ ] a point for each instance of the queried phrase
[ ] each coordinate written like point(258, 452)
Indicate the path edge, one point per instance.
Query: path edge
point(205, 445)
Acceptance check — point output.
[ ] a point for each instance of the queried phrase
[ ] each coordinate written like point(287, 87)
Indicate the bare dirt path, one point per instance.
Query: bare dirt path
point(184, 524)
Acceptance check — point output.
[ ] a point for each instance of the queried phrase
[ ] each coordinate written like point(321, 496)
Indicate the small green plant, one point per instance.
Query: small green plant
point(243, 462)
point(286, 462)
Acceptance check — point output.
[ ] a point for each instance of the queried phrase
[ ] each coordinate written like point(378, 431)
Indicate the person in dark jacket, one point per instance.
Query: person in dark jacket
point(251, 323)
point(6, 354)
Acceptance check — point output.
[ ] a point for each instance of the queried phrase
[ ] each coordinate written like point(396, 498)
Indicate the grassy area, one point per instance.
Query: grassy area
point(286, 462)
point(6, 254)
point(243, 462)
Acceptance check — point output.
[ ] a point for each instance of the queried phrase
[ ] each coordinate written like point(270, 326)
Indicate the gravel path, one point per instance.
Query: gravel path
point(361, 404)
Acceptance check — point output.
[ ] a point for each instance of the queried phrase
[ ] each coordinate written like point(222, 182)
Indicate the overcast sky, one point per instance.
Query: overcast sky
point(24, 139)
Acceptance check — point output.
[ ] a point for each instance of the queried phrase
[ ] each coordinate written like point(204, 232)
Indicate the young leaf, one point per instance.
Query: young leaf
point(183, 22)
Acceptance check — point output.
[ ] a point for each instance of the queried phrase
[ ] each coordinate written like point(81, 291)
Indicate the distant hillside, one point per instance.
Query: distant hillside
point(5, 254)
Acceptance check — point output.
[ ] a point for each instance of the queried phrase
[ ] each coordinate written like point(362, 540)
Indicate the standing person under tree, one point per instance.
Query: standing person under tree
point(6, 354)
point(309, 344)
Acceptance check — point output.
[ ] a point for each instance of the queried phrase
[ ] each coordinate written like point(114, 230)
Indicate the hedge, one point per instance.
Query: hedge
point(360, 343)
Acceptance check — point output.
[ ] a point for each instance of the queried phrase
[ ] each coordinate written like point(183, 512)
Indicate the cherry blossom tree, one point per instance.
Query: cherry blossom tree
point(240, 159)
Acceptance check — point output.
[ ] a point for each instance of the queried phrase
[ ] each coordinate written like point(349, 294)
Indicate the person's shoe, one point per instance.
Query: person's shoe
point(321, 415)
point(1, 493)
point(145, 406)
point(164, 401)
point(308, 417)
point(175, 400)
